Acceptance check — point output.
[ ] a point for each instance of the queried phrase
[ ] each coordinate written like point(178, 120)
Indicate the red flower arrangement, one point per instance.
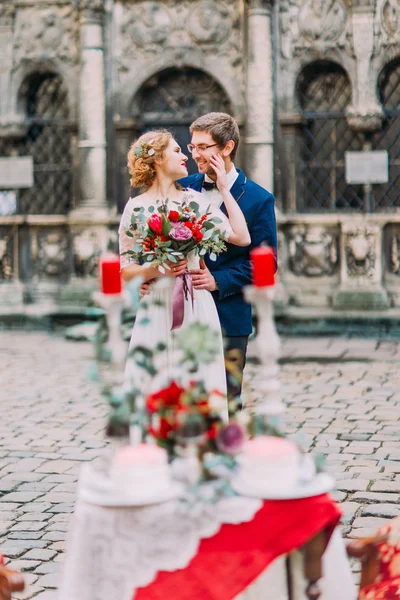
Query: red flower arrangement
point(182, 416)
point(169, 235)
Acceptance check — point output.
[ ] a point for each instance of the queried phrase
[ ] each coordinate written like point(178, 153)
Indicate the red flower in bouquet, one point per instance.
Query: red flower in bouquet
point(163, 430)
point(152, 403)
point(166, 398)
point(203, 406)
point(213, 431)
point(155, 224)
point(173, 216)
point(198, 236)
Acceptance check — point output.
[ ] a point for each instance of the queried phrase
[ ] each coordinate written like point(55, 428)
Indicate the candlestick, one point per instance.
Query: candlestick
point(265, 386)
point(113, 304)
point(263, 266)
point(110, 276)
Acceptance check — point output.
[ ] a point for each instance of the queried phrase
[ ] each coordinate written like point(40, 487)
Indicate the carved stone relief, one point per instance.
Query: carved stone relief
point(390, 17)
point(303, 23)
point(7, 12)
point(147, 24)
point(322, 19)
point(113, 240)
point(47, 33)
point(313, 252)
point(52, 254)
point(210, 23)
point(360, 253)
point(6, 258)
point(149, 28)
point(87, 248)
point(395, 254)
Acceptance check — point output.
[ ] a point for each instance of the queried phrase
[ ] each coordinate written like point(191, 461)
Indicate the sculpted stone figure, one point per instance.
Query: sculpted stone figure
point(323, 19)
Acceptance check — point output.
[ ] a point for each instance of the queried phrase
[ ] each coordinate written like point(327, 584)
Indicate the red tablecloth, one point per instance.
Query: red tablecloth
point(231, 560)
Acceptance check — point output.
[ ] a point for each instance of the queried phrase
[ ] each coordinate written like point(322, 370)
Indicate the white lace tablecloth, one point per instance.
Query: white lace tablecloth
point(111, 552)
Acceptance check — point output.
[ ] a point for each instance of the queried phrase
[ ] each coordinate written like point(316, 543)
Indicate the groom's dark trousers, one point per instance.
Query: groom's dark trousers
point(232, 269)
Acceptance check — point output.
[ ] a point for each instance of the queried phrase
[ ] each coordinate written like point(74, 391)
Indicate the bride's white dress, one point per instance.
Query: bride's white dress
point(154, 317)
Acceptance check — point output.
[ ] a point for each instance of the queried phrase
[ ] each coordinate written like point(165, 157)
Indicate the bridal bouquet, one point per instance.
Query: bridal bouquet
point(170, 234)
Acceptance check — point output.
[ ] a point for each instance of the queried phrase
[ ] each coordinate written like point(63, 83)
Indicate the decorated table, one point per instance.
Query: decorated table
point(191, 548)
point(189, 506)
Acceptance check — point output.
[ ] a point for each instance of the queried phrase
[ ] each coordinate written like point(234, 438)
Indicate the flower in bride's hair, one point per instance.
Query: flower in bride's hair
point(139, 152)
point(180, 233)
point(150, 150)
point(155, 224)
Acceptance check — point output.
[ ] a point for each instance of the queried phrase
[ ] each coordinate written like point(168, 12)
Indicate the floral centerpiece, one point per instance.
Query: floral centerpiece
point(179, 413)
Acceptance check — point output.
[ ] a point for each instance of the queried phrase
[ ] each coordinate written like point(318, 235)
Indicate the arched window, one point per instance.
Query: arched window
point(324, 93)
point(173, 99)
point(388, 195)
point(48, 141)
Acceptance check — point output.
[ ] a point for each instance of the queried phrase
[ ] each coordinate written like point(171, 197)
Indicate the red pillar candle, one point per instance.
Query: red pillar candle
point(110, 276)
point(263, 266)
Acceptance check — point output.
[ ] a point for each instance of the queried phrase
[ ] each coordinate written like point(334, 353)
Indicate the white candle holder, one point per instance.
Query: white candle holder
point(113, 305)
point(265, 386)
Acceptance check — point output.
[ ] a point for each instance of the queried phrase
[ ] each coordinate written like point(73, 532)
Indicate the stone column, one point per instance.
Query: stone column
point(11, 125)
point(92, 117)
point(259, 138)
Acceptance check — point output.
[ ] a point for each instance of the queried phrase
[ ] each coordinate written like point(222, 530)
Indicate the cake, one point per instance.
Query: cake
point(141, 471)
point(269, 462)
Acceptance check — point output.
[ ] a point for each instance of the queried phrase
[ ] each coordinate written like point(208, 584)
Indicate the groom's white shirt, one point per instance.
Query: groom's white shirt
point(214, 196)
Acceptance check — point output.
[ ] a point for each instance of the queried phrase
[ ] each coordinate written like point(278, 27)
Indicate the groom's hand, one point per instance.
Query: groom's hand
point(202, 278)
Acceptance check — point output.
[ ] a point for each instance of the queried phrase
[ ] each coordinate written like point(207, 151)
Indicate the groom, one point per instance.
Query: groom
point(218, 133)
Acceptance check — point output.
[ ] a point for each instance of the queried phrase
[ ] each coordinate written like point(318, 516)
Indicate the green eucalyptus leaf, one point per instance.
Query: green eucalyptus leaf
point(145, 321)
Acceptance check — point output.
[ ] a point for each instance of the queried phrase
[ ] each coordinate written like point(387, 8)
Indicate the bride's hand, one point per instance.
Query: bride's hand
point(217, 163)
point(176, 269)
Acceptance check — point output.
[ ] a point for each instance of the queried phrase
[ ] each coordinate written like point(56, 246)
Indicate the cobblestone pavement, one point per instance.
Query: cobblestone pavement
point(344, 394)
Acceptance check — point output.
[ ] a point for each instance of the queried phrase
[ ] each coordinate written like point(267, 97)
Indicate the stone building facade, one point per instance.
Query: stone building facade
point(307, 80)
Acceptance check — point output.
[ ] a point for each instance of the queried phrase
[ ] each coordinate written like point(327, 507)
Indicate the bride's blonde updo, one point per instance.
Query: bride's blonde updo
point(142, 155)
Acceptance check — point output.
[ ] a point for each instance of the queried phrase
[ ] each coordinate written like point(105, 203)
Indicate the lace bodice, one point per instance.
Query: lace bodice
point(126, 242)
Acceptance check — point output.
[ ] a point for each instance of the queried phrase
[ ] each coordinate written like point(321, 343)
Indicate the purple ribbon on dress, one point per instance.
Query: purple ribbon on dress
point(182, 289)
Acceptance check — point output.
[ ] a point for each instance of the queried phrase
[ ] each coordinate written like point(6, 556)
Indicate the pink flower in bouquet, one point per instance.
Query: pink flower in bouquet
point(230, 439)
point(155, 224)
point(180, 233)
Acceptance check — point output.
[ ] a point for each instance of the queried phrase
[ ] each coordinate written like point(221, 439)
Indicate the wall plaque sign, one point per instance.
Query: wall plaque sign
point(367, 167)
point(16, 172)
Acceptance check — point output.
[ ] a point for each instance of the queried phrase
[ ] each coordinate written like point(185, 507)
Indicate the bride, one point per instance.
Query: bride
point(155, 163)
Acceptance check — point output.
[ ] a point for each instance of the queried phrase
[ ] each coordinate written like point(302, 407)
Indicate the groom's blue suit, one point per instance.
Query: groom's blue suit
point(232, 269)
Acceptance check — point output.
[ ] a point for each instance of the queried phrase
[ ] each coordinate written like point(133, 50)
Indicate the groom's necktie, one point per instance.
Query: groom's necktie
point(209, 185)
